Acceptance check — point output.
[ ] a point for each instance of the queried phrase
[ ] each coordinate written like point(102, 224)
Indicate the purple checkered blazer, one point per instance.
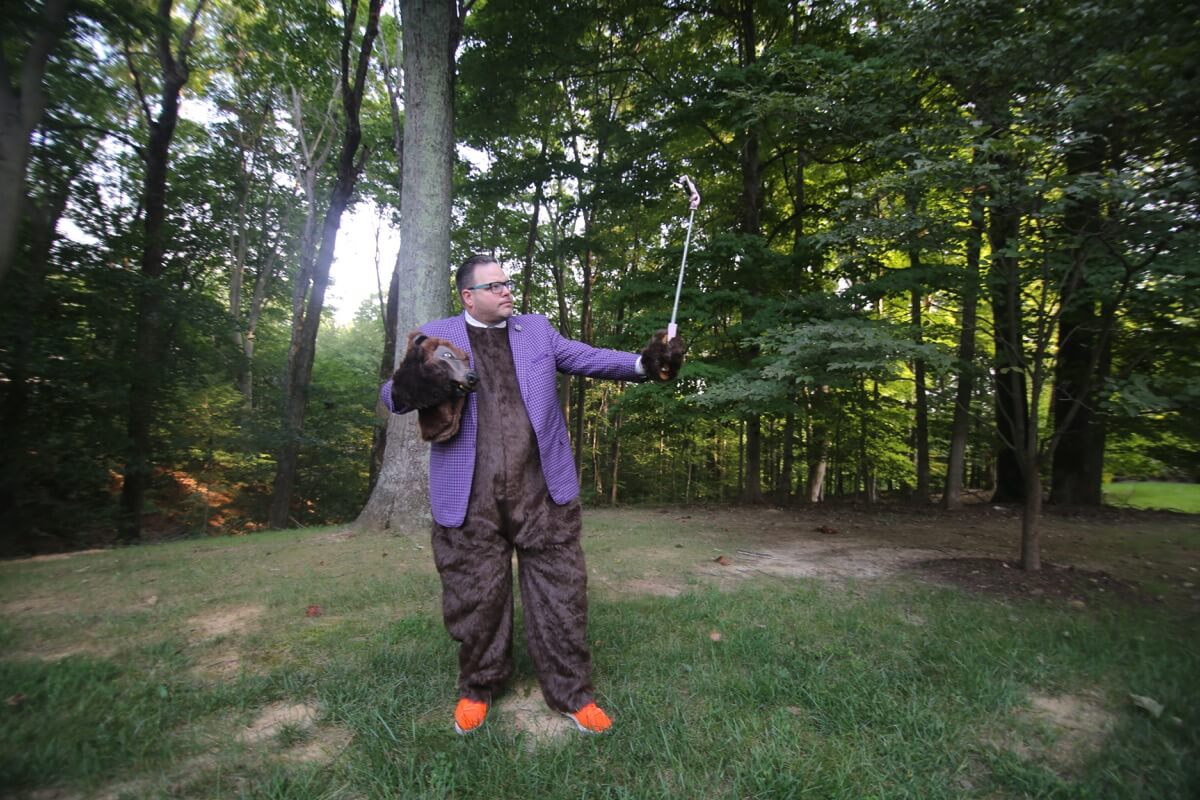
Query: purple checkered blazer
point(539, 353)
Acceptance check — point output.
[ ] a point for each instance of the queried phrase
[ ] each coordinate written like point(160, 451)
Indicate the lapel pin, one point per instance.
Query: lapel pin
point(518, 329)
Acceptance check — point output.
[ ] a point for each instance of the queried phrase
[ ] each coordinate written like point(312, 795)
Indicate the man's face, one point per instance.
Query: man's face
point(484, 304)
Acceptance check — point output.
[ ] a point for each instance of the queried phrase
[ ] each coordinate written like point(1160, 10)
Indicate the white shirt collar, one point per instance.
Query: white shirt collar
point(474, 323)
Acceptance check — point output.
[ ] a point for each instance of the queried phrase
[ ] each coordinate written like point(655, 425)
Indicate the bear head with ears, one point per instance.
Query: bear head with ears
point(435, 378)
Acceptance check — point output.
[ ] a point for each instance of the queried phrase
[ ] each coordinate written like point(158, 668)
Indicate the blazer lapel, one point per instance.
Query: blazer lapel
point(458, 335)
point(518, 342)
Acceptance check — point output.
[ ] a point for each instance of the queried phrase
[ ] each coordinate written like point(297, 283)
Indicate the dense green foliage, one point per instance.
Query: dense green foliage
point(871, 174)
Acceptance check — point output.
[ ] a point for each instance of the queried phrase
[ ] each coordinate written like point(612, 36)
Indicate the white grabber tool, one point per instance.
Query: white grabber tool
point(693, 204)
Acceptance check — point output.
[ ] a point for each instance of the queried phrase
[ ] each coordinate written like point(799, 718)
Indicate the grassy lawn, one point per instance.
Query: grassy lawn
point(195, 670)
point(1154, 494)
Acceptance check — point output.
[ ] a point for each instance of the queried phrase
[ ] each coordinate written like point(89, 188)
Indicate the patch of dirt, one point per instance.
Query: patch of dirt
point(58, 556)
point(655, 586)
point(828, 559)
point(336, 536)
point(1066, 730)
point(1079, 587)
point(59, 653)
point(524, 709)
point(219, 665)
point(325, 744)
point(55, 604)
point(274, 718)
point(224, 622)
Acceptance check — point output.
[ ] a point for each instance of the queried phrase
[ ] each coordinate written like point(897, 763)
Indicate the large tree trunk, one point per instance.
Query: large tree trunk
point(304, 335)
point(1012, 407)
point(21, 108)
point(431, 28)
point(152, 291)
point(1077, 470)
point(26, 297)
point(961, 426)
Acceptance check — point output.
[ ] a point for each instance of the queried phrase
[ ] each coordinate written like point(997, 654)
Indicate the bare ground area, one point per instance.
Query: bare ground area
point(1136, 556)
point(1089, 559)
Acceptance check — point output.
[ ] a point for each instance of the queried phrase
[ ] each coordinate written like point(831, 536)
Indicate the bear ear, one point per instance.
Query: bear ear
point(415, 338)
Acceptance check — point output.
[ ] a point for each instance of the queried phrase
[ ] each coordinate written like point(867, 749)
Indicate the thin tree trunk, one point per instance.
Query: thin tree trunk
point(921, 427)
point(960, 428)
point(390, 66)
point(152, 291)
point(304, 345)
point(531, 242)
point(787, 471)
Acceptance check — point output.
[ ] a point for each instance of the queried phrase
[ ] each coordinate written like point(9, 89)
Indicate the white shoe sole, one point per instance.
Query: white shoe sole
point(581, 728)
point(461, 732)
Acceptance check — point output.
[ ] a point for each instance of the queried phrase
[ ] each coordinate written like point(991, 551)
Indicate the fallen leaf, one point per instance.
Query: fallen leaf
point(723, 561)
point(825, 529)
point(715, 636)
point(152, 600)
point(1148, 704)
point(313, 611)
point(795, 711)
point(15, 700)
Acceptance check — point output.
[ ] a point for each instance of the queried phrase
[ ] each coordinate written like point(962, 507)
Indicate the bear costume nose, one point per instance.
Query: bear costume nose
point(472, 379)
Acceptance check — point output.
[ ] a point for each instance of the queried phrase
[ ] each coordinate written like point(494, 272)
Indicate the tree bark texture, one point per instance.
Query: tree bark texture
point(961, 426)
point(400, 500)
point(304, 340)
point(21, 108)
point(1077, 470)
point(152, 291)
point(1012, 407)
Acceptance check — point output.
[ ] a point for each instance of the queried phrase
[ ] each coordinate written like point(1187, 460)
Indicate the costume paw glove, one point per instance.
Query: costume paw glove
point(662, 359)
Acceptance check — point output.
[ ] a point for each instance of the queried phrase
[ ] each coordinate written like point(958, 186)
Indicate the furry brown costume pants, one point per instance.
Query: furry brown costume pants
point(510, 509)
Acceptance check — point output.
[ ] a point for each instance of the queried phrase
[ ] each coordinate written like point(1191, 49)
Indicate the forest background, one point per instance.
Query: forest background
point(944, 247)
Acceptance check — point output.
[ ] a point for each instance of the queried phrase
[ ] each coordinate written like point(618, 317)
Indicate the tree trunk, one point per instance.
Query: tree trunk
point(304, 336)
point(391, 319)
point(1076, 473)
point(752, 491)
point(585, 335)
point(149, 346)
point(431, 28)
point(961, 426)
point(1031, 547)
point(921, 427)
point(27, 297)
point(21, 109)
point(788, 468)
point(387, 365)
point(531, 241)
point(1012, 408)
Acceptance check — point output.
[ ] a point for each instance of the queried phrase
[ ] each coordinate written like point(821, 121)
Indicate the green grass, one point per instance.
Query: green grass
point(867, 690)
point(1183, 497)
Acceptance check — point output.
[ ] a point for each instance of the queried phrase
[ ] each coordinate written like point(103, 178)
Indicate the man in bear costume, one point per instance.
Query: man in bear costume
point(506, 480)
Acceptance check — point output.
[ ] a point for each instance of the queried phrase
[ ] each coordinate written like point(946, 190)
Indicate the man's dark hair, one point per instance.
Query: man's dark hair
point(466, 273)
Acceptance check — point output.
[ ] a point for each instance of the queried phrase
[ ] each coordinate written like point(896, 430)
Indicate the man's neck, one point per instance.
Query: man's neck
point(474, 323)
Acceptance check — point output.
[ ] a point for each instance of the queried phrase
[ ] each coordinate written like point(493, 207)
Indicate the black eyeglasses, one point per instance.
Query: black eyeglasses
point(496, 287)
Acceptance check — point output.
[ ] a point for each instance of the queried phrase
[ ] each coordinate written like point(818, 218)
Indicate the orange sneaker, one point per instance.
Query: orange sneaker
point(590, 719)
point(469, 715)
